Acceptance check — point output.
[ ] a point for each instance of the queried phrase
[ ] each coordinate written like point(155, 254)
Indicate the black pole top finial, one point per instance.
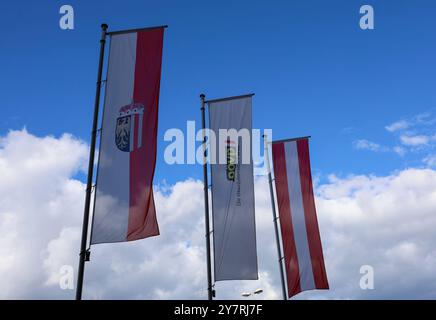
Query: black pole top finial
point(202, 96)
point(104, 26)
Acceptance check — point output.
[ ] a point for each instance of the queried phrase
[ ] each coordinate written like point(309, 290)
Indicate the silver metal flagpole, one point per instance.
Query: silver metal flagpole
point(275, 218)
point(210, 291)
point(83, 252)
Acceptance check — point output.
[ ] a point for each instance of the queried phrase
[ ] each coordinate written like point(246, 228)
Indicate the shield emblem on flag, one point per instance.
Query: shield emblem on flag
point(128, 131)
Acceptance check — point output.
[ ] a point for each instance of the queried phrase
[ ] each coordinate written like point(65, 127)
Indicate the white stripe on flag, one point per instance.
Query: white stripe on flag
point(132, 132)
point(140, 130)
point(298, 218)
point(112, 205)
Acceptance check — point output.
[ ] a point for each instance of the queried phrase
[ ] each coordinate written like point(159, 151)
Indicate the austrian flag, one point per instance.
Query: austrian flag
point(124, 207)
point(304, 261)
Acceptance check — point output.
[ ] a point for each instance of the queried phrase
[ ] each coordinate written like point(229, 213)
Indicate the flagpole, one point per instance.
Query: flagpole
point(83, 252)
point(210, 292)
point(275, 218)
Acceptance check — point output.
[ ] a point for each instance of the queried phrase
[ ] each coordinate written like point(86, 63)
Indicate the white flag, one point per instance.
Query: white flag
point(234, 229)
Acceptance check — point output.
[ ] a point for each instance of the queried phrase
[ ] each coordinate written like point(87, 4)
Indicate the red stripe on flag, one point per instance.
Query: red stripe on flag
point(142, 213)
point(313, 236)
point(288, 240)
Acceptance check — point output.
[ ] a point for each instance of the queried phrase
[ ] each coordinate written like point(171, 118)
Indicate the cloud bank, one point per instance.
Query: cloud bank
point(387, 222)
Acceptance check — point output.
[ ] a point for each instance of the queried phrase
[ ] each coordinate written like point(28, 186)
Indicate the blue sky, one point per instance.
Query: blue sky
point(367, 98)
point(314, 71)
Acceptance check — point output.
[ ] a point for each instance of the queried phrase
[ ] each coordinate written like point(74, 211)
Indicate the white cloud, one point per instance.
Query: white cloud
point(416, 135)
point(421, 120)
point(399, 125)
point(399, 150)
point(414, 140)
point(38, 199)
point(430, 160)
point(386, 222)
point(364, 144)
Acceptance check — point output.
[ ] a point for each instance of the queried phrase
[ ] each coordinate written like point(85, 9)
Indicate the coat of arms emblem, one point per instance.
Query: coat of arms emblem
point(128, 131)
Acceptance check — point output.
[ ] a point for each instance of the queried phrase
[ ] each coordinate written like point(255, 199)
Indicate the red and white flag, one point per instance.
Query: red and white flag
point(304, 262)
point(124, 207)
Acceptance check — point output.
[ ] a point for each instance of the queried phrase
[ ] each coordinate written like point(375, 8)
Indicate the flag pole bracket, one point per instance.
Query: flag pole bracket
point(87, 255)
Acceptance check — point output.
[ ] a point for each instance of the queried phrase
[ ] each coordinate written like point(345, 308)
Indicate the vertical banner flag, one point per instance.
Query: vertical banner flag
point(304, 261)
point(124, 206)
point(234, 229)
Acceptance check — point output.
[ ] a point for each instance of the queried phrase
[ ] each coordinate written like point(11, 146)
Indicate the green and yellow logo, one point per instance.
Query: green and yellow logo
point(231, 160)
